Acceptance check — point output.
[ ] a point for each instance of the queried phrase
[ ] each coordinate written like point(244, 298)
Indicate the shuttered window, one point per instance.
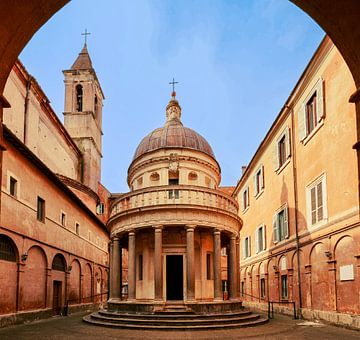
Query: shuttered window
point(281, 225)
point(259, 181)
point(312, 111)
point(282, 151)
point(316, 197)
point(260, 243)
point(246, 247)
point(245, 198)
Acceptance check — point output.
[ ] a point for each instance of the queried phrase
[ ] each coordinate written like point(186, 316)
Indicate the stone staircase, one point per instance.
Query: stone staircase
point(175, 318)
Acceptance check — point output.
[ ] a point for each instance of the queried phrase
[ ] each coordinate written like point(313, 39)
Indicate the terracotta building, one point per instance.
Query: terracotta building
point(53, 238)
point(299, 201)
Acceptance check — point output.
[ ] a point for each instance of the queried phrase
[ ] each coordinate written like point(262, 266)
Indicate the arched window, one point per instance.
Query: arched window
point(59, 263)
point(79, 98)
point(7, 249)
point(96, 105)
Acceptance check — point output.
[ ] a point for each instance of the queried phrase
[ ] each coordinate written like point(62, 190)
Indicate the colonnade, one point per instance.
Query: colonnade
point(116, 262)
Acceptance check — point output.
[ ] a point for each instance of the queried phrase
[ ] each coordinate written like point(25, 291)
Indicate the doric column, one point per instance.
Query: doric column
point(111, 274)
point(232, 268)
point(116, 275)
point(190, 259)
point(237, 267)
point(217, 266)
point(132, 267)
point(158, 264)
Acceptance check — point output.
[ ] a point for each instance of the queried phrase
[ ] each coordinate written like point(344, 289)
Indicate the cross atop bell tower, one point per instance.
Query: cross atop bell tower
point(83, 115)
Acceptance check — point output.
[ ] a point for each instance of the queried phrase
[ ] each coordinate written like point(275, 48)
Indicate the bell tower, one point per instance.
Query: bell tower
point(83, 116)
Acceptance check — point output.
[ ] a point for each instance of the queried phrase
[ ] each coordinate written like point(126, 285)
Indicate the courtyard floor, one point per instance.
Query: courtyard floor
point(72, 327)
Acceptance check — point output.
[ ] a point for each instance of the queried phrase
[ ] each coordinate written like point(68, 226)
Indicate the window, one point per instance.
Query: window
point(282, 149)
point(316, 201)
point(280, 223)
point(77, 228)
point(260, 239)
point(40, 209)
point(208, 267)
point(262, 288)
point(79, 98)
point(245, 198)
point(13, 186)
point(312, 113)
point(246, 247)
point(174, 193)
point(96, 105)
point(259, 181)
point(7, 249)
point(63, 219)
point(140, 267)
point(59, 263)
point(242, 288)
point(284, 287)
point(100, 209)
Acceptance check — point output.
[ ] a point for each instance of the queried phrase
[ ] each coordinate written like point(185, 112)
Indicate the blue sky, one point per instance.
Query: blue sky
point(236, 63)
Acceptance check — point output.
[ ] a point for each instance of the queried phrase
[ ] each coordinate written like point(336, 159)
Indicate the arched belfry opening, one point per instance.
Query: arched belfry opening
point(79, 98)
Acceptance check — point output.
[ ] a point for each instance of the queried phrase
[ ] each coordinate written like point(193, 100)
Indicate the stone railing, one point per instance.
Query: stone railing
point(174, 195)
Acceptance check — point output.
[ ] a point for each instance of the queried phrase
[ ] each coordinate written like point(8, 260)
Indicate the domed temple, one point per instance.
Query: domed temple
point(174, 222)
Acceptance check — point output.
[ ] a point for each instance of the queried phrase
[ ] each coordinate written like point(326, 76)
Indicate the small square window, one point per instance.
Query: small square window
point(284, 287)
point(100, 209)
point(141, 265)
point(63, 219)
point(13, 186)
point(262, 288)
point(40, 209)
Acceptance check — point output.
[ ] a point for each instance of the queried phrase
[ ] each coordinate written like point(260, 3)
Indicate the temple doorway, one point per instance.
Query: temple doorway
point(174, 277)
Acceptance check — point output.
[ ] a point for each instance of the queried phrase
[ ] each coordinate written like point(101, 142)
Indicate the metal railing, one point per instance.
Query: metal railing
point(81, 300)
point(270, 304)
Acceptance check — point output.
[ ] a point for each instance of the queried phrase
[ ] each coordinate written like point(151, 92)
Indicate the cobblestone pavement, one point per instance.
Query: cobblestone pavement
point(72, 327)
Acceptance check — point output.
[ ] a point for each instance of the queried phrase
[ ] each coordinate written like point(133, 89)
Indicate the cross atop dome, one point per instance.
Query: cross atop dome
point(173, 109)
point(173, 82)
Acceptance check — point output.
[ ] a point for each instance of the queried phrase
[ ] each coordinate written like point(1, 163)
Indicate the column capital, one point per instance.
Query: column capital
point(131, 232)
point(115, 239)
point(216, 231)
point(158, 227)
point(190, 227)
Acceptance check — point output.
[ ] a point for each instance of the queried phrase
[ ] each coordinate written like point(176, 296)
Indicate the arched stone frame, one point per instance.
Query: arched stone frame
point(319, 277)
point(273, 279)
point(87, 288)
point(8, 279)
point(34, 280)
point(347, 281)
point(74, 291)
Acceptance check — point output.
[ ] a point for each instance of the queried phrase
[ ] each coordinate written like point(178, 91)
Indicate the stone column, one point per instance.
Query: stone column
point(217, 266)
point(132, 267)
point(238, 267)
point(158, 264)
point(111, 275)
point(115, 292)
point(232, 268)
point(190, 260)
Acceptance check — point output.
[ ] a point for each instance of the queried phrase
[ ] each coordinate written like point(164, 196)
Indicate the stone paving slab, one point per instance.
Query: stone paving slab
point(72, 327)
